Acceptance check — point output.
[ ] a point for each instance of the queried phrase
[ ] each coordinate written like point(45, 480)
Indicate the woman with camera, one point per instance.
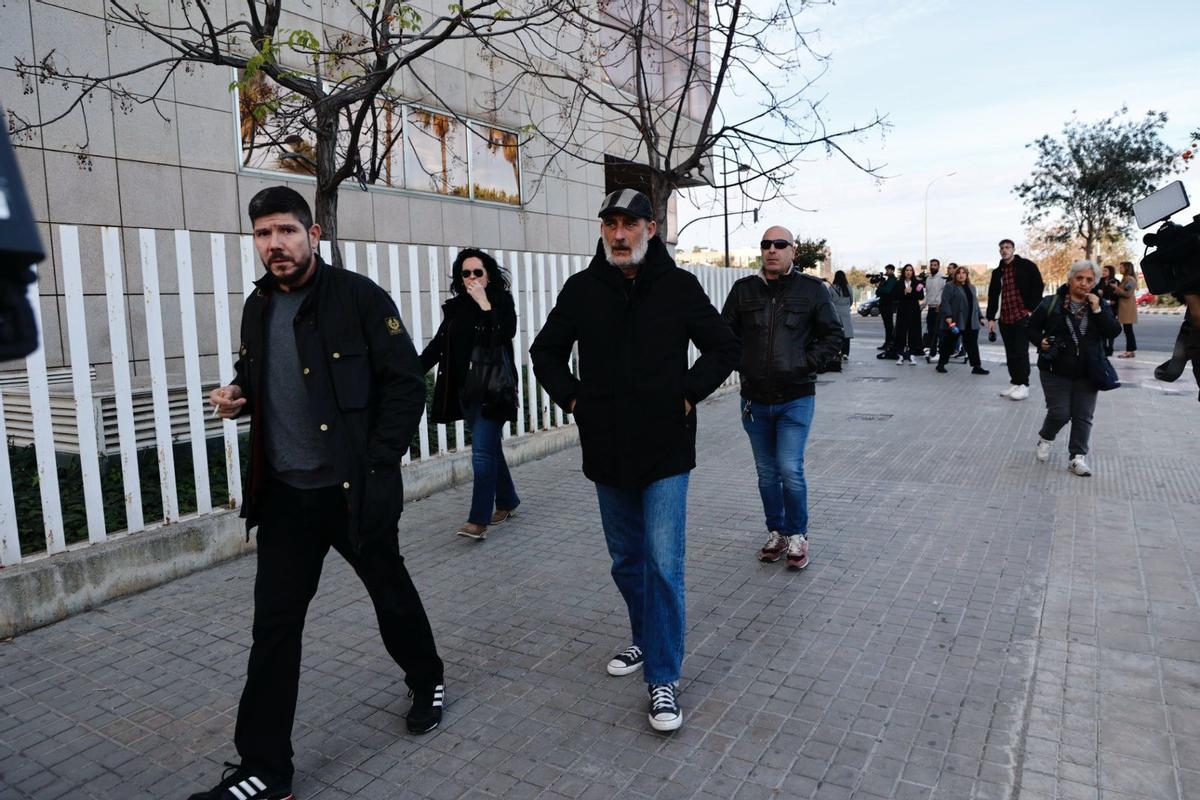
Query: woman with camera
point(908, 294)
point(479, 317)
point(1068, 329)
point(960, 317)
point(1125, 289)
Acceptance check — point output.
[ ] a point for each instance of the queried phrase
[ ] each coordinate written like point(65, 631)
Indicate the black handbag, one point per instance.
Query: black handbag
point(1100, 370)
point(491, 381)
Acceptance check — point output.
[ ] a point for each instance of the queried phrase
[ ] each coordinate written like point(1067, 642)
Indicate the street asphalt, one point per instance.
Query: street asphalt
point(974, 624)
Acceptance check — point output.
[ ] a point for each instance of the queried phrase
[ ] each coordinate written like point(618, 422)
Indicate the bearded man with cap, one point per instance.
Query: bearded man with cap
point(633, 313)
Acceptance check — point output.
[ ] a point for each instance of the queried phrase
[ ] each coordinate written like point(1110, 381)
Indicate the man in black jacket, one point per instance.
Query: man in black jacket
point(789, 328)
point(1015, 291)
point(335, 392)
point(887, 310)
point(633, 313)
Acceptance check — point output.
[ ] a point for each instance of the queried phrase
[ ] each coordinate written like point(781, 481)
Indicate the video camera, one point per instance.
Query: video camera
point(1174, 265)
point(876, 278)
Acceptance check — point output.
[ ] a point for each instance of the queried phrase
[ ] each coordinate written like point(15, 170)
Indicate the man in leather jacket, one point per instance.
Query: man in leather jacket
point(789, 328)
point(335, 392)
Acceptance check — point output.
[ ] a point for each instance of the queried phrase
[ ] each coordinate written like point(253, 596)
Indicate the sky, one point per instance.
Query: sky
point(966, 86)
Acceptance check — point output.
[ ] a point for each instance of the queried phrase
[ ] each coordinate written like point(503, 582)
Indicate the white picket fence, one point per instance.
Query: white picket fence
point(535, 281)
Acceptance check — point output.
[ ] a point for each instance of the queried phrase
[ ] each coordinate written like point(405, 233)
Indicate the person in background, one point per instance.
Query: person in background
point(1107, 290)
point(933, 298)
point(887, 309)
point(1067, 328)
point(1013, 293)
point(909, 293)
point(843, 298)
point(1127, 312)
point(480, 311)
point(960, 310)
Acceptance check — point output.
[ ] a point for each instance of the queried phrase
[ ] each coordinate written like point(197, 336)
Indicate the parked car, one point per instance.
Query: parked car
point(869, 307)
point(1144, 298)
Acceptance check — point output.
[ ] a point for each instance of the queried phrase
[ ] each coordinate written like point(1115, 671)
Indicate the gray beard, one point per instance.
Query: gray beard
point(636, 257)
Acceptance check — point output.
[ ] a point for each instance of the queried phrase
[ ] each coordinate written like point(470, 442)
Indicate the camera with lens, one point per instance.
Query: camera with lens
point(1051, 351)
point(1174, 264)
point(876, 278)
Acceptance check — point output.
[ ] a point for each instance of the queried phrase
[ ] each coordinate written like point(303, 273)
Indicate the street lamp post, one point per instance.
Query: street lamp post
point(725, 195)
point(927, 188)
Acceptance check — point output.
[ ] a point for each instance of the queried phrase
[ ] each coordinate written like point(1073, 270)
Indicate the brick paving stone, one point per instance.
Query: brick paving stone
point(974, 624)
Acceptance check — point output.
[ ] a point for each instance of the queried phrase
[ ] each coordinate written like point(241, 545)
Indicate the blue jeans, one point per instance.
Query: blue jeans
point(645, 530)
point(778, 434)
point(493, 481)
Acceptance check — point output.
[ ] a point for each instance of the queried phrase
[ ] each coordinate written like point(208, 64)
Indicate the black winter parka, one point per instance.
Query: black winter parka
point(633, 365)
point(464, 324)
point(1050, 319)
point(788, 332)
point(366, 392)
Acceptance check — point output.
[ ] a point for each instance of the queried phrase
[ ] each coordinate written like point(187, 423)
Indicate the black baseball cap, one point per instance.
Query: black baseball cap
point(627, 201)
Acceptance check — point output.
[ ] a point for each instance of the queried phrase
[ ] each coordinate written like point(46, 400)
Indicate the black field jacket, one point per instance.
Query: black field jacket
point(366, 392)
point(788, 332)
point(633, 365)
point(1050, 319)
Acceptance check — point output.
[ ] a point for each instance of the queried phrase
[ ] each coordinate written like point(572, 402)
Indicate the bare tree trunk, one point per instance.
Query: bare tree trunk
point(327, 185)
point(660, 198)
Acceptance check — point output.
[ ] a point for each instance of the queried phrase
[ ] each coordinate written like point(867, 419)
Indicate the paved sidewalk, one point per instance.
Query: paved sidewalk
point(973, 625)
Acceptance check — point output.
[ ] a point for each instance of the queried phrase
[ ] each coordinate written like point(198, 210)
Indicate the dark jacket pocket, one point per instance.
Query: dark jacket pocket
point(351, 372)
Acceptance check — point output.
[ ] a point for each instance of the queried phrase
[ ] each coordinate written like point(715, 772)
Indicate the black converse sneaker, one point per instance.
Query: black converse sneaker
point(665, 714)
point(426, 711)
point(240, 783)
point(627, 661)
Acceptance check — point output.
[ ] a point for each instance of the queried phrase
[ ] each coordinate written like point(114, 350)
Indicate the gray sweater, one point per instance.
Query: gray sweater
point(961, 303)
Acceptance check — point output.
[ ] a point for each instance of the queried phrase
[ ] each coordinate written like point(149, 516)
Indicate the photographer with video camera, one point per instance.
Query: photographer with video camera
point(887, 308)
point(1068, 329)
point(1174, 267)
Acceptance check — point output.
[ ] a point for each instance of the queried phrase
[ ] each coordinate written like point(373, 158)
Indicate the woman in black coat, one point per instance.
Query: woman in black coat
point(1068, 329)
point(908, 295)
point(480, 311)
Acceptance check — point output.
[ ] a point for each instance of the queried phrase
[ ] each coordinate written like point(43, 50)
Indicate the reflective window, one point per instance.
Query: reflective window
point(399, 146)
point(276, 128)
point(495, 165)
point(435, 157)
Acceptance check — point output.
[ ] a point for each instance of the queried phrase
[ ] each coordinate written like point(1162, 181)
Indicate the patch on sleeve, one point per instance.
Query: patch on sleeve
point(394, 325)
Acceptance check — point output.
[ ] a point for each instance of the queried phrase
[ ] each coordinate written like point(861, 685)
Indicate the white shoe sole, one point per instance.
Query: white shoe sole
point(1083, 474)
point(618, 670)
point(666, 725)
point(479, 537)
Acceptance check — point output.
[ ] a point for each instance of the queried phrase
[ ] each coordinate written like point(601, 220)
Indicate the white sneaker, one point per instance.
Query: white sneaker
point(900, 360)
point(1078, 466)
point(1020, 393)
point(1012, 387)
point(1043, 449)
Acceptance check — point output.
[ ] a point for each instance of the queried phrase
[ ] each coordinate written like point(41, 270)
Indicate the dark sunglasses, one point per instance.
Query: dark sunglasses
point(467, 273)
point(778, 244)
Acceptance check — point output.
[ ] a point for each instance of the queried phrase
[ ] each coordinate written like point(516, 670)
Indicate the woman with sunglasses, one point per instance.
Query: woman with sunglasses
point(480, 311)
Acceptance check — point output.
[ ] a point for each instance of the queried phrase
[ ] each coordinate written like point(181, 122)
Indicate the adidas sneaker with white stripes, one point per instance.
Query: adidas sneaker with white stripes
point(239, 783)
point(426, 711)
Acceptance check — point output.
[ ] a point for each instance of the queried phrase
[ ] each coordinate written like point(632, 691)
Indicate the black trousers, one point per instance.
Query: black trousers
point(908, 331)
point(970, 344)
point(297, 529)
point(888, 312)
point(1130, 339)
point(1016, 350)
point(932, 323)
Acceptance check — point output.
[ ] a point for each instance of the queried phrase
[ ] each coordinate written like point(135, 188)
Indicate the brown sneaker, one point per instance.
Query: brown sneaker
point(473, 531)
point(797, 552)
point(501, 515)
point(773, 549)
